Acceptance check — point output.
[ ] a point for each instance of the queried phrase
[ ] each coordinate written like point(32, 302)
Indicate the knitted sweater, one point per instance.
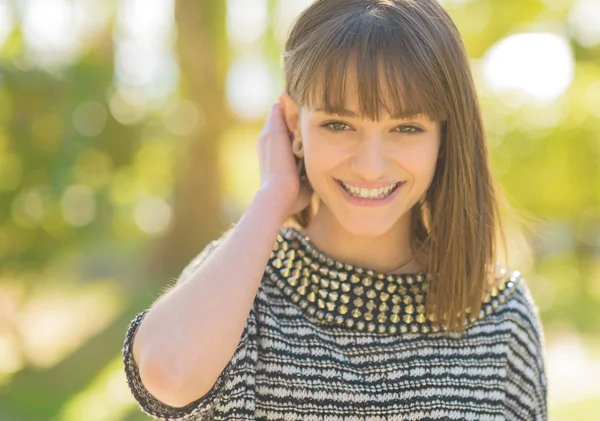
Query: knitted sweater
point(325, 340)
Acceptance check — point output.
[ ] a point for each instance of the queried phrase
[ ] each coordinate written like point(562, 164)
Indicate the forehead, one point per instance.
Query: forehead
point(378, 93)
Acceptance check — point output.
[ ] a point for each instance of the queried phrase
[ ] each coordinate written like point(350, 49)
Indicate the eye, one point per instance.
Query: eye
point(331, 125)
point(410, 130)
point(337, 126)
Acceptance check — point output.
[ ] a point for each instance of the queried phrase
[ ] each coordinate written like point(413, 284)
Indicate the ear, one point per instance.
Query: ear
point(290, 113)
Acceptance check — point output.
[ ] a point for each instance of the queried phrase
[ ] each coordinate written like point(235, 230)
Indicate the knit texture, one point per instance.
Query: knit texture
point(288, 366)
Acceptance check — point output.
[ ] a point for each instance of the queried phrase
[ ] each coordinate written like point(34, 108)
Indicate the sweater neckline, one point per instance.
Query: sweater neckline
point(337, 293)
point(311, 249)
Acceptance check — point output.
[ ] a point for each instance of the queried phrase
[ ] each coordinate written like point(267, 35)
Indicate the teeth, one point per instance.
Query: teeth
point(368, 194)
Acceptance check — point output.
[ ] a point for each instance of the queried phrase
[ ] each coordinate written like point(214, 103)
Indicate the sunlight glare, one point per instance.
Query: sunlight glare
point(539, 65)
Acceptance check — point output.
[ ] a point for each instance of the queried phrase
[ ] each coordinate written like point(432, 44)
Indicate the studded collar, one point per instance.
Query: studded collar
point(335, 293)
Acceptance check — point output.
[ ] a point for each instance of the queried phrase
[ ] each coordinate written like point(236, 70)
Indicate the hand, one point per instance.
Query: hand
point(278, 170)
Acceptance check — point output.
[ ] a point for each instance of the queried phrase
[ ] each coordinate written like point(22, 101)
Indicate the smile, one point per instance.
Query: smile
point(384, 197)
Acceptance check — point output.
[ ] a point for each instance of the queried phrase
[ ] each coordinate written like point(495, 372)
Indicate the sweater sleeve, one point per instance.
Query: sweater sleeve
point(526, 382)
point(230, 389)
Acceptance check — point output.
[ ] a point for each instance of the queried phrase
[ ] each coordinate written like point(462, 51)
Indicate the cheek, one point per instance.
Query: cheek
point(419, 160)
point(321, 155)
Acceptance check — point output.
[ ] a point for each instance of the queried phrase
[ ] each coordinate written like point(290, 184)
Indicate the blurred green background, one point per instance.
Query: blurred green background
point(128, 134)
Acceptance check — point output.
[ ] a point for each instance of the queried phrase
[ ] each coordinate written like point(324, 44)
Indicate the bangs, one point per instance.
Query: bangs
point(389, 66)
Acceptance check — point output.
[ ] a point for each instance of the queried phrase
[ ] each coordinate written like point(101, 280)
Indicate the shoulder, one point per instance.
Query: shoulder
point(517, 309)
point(522, 307)
point(526, 356)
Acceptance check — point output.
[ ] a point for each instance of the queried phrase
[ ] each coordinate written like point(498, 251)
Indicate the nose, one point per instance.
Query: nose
point(370, 159)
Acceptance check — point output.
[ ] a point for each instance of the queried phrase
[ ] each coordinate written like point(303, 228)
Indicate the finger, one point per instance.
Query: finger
point(275, 120)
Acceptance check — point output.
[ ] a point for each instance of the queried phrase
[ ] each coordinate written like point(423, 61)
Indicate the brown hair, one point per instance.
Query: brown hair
point(412, 51)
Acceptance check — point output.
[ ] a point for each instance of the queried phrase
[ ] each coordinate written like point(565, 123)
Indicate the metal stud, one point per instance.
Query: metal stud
point(368, 300)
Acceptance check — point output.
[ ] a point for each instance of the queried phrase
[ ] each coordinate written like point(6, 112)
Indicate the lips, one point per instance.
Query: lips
point(361, 185)
point(392, 190)
point(396, 184)
point(370, 202)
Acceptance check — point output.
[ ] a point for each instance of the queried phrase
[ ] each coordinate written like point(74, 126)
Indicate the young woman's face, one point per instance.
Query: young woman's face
point(366, 153)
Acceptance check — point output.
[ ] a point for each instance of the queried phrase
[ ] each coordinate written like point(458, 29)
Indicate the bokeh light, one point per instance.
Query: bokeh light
point(539, 65)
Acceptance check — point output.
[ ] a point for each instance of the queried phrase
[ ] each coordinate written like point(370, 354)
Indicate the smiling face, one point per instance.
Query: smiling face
point(368, 153)
point(361, 152)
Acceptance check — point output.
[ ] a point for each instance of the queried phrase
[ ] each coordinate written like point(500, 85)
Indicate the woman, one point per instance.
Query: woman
point(362, 282)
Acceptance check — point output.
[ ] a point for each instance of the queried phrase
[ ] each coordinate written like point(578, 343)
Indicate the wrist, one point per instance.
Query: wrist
point(269, 202)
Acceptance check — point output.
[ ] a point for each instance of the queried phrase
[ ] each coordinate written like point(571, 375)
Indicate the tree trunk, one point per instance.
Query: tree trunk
point(203, 53)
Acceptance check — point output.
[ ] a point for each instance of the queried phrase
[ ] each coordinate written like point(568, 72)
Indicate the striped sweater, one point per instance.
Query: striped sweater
point(299, 358)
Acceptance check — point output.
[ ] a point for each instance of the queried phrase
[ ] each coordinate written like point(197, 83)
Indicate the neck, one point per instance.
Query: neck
point(387, 252)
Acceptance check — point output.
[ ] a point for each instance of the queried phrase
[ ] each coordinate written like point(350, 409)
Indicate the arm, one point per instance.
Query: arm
point(190, 335)
point(526, 382)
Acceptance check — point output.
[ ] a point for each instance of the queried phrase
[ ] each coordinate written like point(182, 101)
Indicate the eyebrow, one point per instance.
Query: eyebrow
point(349, 113)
